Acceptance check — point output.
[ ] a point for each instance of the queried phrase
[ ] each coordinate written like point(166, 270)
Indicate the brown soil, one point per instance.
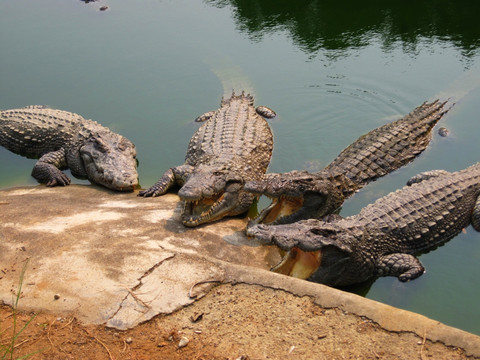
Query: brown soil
point(230, 322)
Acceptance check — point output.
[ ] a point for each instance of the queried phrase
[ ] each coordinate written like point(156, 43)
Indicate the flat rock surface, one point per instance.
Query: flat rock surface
point(119, 260)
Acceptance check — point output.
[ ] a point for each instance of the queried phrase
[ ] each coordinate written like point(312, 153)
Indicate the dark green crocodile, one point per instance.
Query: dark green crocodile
point(233, 145)
point(385, 237)
point(61, 140)
point(298, 195)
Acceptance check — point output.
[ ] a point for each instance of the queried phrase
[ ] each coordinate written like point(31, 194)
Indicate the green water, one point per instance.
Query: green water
point(331, 72)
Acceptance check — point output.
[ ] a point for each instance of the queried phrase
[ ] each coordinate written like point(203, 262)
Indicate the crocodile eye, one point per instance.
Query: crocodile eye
point(324, 232)
point(100, 145)
point(233, 181)
point(124, 144)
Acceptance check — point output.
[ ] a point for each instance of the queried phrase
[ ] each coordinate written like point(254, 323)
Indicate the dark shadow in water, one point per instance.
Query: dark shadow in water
point(361, 289)
point(331, 25)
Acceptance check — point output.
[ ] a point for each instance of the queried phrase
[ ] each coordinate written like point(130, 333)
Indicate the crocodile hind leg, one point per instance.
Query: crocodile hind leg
point(404, 266)
point(47, 169)
point(171, 177)
point(476, 215)
point(425, 176)
point(266, 112)
point(205, 117)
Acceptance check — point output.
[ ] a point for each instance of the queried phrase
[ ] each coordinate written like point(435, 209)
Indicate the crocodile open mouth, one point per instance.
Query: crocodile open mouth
point(196, 212)
point(279, 210)
point(298, 263)
point(203, 210)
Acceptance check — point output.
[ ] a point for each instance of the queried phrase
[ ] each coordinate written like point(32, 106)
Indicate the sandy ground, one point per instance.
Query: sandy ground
point(230, 322)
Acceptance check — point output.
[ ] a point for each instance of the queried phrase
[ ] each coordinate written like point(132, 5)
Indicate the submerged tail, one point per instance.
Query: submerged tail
point(230, 75)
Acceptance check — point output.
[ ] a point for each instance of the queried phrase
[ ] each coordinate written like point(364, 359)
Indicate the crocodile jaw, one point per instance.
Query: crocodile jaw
point(200, 211)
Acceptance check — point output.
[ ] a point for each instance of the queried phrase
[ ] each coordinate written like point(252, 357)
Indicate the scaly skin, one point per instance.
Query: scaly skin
point(383, 239)
point(298, 195)
point(61, 140)
point(233, 145)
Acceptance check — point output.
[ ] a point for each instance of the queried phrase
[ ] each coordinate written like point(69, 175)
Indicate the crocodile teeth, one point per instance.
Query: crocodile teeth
point(199, 211)
point(264, 213)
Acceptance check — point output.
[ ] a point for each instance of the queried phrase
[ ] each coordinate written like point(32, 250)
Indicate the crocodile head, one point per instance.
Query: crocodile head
point(110, 160)
point(313, 249)
point(295, 195)
point(210, 193)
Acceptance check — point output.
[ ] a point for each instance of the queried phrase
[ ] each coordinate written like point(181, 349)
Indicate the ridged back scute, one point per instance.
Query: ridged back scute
point(36, 130)
point(439, 207)
point(234, 135)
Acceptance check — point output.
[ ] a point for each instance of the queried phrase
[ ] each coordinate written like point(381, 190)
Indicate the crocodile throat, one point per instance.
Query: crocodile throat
point(298, 263)
point(280, 209)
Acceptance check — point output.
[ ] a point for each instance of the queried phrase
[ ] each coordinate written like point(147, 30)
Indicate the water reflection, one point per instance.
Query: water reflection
point(317, 24)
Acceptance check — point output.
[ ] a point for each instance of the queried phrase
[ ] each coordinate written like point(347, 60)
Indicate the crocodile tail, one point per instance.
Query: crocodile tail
point(390, 146)
point(423, 118)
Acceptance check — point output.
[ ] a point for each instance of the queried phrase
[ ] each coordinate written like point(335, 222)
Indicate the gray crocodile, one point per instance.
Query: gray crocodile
point(233, 145)
point(298, 195)
point(61, 140)
point(385, 237)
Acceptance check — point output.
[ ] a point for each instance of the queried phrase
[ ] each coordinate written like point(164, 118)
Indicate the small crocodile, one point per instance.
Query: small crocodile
point(61, 140)
point(298, 195)
point(385, 237)
point(233, 145)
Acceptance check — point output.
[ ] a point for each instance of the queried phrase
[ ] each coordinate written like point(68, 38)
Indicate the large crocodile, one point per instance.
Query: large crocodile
point(298, 195)
point(383, 239)
point(233, 145)
point(61, 140)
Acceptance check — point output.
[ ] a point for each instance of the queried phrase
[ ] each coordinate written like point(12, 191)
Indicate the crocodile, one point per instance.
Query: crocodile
point(65, 140)
point(385, 237)
point(233, 145)
point(298, 195)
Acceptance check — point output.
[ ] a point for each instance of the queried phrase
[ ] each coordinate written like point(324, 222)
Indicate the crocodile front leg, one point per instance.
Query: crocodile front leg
point(47, 169)
point(171, 177)
point(404, 266)
point(425, 176)
point(205, 117)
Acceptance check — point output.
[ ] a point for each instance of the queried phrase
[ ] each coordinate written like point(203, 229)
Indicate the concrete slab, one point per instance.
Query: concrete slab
point(119, 260)
point(105, 254)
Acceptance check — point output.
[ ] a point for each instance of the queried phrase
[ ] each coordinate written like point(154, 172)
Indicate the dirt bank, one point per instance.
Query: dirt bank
point(230, 322)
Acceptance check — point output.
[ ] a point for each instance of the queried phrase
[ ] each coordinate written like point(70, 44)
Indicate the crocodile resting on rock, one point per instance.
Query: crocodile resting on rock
point(298, 195)
point(383, 239)
point(233, 145)
point(61, 140)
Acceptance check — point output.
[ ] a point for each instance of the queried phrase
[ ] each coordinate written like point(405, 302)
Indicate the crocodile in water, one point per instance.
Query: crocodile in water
point(233, 145)
point(61, 140)
point(298, 195)
point(385, 237)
